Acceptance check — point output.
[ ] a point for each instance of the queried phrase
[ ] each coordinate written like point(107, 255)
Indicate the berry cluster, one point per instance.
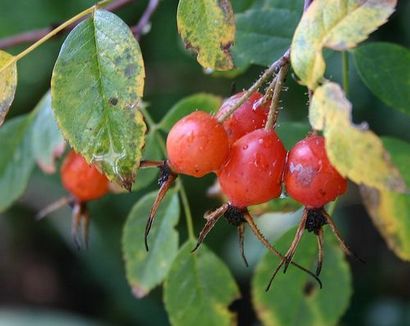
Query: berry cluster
point(252, 166)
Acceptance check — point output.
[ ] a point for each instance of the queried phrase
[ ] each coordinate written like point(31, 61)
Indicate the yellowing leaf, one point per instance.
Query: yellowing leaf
point(8, 83)
point(338, 25)
point(208, 27)
point(96, 91)
point(355, 151)
point(390, 211)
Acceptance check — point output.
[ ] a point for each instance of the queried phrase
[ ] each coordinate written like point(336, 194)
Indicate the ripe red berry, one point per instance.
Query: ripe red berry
point(82, 180)
point(309, 176)
point(253, 171)
point(251, 115)
point(197, 145)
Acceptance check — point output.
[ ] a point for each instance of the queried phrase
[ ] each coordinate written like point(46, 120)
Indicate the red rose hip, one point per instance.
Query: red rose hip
point(197, 145)
point(309, 176)
point(82, 180)
point(248, 117)
point(253, 171)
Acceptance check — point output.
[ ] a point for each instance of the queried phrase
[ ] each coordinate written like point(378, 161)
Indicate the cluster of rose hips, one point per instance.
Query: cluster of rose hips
point(251, 164)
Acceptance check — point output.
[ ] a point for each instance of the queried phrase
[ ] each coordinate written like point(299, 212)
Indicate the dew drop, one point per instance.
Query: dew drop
point(257, 104)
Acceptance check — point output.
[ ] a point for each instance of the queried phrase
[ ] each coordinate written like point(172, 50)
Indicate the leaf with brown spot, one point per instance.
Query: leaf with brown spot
point(208, 28)
point(96, 91)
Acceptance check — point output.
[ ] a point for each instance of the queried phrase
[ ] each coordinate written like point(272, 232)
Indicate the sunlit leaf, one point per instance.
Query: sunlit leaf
point(338, 25)
point(16, 159)
point(355, 151)
point(208, 28)
point(264, 31)
point(8, 83)
point(145, 270)
point(390, 211)
point(46, 139)
point(96, 91)
point(294, 299)
point(200, 101)
point(199, 289)
point(374, 63)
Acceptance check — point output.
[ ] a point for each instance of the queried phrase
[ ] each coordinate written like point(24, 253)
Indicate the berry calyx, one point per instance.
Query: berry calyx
point(197, 145)
point(82, 180)
point(239, 217)
point(251, 115)
point(253, 172)
point(309, 176)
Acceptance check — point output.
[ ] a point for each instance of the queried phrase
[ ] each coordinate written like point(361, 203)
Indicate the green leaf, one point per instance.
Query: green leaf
point(339, 25)
point(208, 28)
point(355, 151)
point(8, 83)
point(96, 91)
point(46, 140)
point(152, 151)
point(290, 132)
point(286, 204)
point(16, 159)
point(390, 211)
point(290, 301)
point(200, 101)
point(199, 288)
point(264, 31)
point(381, 62)
point(145, 270)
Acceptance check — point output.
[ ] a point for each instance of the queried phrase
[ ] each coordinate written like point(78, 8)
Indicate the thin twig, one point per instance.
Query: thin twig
point(274, 106)
point(37, 34)
point(138, 29)
point(283, 60)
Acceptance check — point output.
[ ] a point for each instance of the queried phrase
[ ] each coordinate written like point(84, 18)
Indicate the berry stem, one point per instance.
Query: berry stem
point(284, 60)
point(55, 32)
point(138, 29)
point(278, 64)
point(274, 106)
point(37, 34)
point(180, 186)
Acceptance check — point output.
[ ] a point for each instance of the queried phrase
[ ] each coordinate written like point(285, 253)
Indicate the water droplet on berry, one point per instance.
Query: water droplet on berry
point(257, 104)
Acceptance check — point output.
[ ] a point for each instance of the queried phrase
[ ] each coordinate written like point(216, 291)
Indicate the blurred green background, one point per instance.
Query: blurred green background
point(44, 280)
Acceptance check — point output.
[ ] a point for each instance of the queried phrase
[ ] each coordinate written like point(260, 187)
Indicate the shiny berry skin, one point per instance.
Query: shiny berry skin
point(253, 172)
point(309, 177)
point(248, 117)
point(82, 180)
point(197, 145)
